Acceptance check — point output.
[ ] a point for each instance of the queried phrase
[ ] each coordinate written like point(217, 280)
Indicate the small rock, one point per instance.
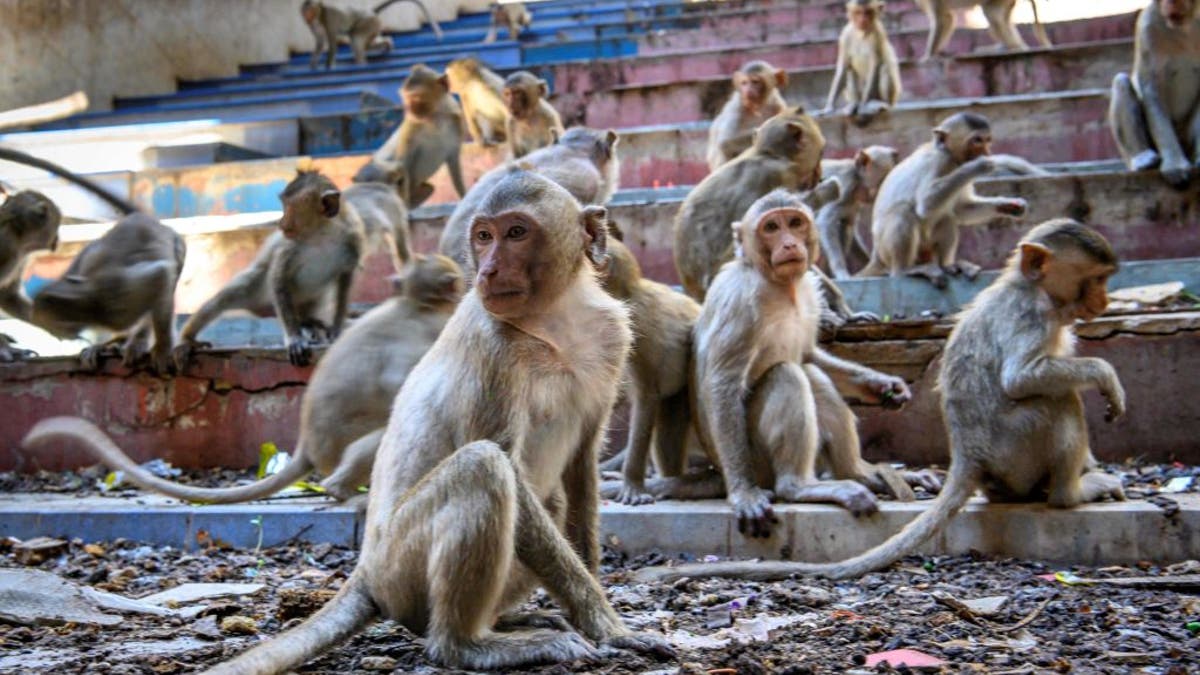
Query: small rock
point(301, 602)
point(39, 549)
point(207, 627)
point(238, 625)
point(94, 550)
point(377, 663)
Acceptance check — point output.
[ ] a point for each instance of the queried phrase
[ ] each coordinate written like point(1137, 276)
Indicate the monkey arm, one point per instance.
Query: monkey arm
point(871, 386)
point(319, 35)
point(1030, 373)
point(1161, 128)
point(938, 192)
point(281, 299)
point(839, 77)
point(722, 400)
point(581, 480)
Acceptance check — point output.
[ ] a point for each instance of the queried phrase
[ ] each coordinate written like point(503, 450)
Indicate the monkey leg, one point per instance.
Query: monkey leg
point(784, 435)
point(832, 232)
point(460, 527)
point(354, 470)
point(941, 27)
point(239, 293)
point(1071, 482)
point(641, 432)
point(999, 19)
point(1127, 119)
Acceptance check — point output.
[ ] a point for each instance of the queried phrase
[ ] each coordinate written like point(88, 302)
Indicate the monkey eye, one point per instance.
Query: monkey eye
point(516, 232)
point(796, 223)
point(771, 226)
point(483, 235)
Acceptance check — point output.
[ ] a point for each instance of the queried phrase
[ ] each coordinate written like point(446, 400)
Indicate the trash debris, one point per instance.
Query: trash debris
point(904, 657)
point(1178, 484)
point(189, 593)
point(378, 663)
point(238, 625)
point(37, 598)
point(1151, 295)
point(39, 549)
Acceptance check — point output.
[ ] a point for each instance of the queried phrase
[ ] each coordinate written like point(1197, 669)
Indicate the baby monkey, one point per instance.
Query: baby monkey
point(1011, 402)
point(755, 99)
point(532, 122)
point(867, 75)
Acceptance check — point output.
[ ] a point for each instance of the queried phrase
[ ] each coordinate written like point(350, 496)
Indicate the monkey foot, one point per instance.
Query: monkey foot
point(924, 479)
point(1145, 160)
point(645, 643)
point(536, 619)
point(183, 352)
point(965, 268)
point(9, 353)
point(634, 495)
point(91, 357)
point(753, 510)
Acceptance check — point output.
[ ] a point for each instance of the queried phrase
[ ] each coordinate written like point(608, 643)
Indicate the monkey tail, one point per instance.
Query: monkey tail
point(1039, 30)
point(102, 447)
point(959, 487)
point(437, 30)
point(873, 268)
point(23, 158)
point(343, 616)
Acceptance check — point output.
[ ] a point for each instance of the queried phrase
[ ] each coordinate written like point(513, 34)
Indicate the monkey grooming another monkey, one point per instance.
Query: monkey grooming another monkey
point(479, 91)
point(657, 371)
point(512, 15)
point(867, 71)
point(532, 122)
point(858, 182)
point(122, 282)
point(754, 100)
point(1155, 115)
point(490, 456)
point(28, 223)
point(926, 197)
point(999, 19)
point(302, 273)
point(364, 30)
point(1010, 399)
point(766, 408)
point(347, 400)
point(584, 161)
point(430, 135)
point(786, 153)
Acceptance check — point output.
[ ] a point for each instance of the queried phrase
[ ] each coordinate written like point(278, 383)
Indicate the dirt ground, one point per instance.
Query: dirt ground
point(719, 627)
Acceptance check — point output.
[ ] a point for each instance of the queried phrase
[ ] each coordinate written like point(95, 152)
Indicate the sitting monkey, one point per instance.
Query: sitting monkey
point(479, 92)
point(1011, 399)
point(532, 122)
point(867, 72)
point(754, 100)
point(1155, 115)
point(512, 15)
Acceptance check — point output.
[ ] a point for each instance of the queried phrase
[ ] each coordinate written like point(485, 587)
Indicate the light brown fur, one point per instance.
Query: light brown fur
point(755, 99)
point(867, 74)
point(480, 93)
point(858, 182)
point(532, 122)
point(28, 223)
point(999, 18)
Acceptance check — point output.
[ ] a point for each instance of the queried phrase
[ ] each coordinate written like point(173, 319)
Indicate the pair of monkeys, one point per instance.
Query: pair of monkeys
point(512, 109)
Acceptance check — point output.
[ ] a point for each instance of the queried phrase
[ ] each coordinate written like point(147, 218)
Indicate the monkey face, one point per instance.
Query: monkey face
point(307, 210)
point(977, 144)
point(1177, 12)
point(753, 88)
point(507, 250)
point(862, 17)
point(1075, 281)
point(516, 101)
point(786, 243)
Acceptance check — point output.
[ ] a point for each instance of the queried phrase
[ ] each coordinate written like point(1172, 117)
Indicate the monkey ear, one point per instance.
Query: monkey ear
point(615, 231)
point(862, 159)
point(397, 283)
point(939, 136)
point(1033, 260)
point(895, 156)
point(444, 80)
point(331, 203)
point(736, 227)
point(780, 78)
point(595, 226)
point(610, 141)
point(798, 110)
point(543, 88)
point(797, 130)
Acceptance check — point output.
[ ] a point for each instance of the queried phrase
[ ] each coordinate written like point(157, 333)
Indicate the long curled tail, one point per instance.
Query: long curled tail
point(437, 30)
point(102, 448)
point(1039, 30)
point(340, 618)
point(24, 158)
point(959, 487)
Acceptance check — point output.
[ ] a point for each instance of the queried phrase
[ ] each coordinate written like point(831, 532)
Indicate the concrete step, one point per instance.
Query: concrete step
point(233, 400)
point(1097, 534)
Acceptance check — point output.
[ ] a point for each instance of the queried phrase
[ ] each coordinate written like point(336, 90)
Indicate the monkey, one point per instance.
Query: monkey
point(532, 122)
point(384, 217)
point(301, 269)
point(1155, 115)
point(124, 281)
point(28, 223)
point(584, 161)
point(485, 481)
point(430, 135)
point(479, 91)
point(754, 100)
point(513, 15)
point(786, 153)
point(347, 400)
point(867, 71)
point(858, 181)
point(1010, 399)
point(926, 197)
point(999, 19)
point(364, 30)
point(765, 402)
point(658, 369)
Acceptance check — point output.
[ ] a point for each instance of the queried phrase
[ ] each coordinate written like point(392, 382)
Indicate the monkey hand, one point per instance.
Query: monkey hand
point(1177, 172)
point(9, 353)
point(829, 324)
point(886, 390)
point(863, 317)
point(1145, 160)
point(184, 351)
point(925, 479)
point(300, 351)
point(1097, 485)
point(634, 493)
point(1114, 395)
point(752, 506)
point(652, 644)
point(1013, 207)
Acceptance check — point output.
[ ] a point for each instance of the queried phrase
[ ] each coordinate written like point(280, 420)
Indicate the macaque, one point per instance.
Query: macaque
point(479, 91)
point(1155, 115)
point(512, 15)
point(999, 19)
point(363, 30)
point(123, 282)
point(430, 135)
point(584, 161)
point(867, 72)
point(926, 197)
point(858, 181)
point(346, 403)
point(754, 100)
point(485, 483)
point(1010, 399)
point(384, 218)
point(302, 273)
point(28, 223)
point(766, 405)
point(532, 122)
point(786, 153)
point(657, 371)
